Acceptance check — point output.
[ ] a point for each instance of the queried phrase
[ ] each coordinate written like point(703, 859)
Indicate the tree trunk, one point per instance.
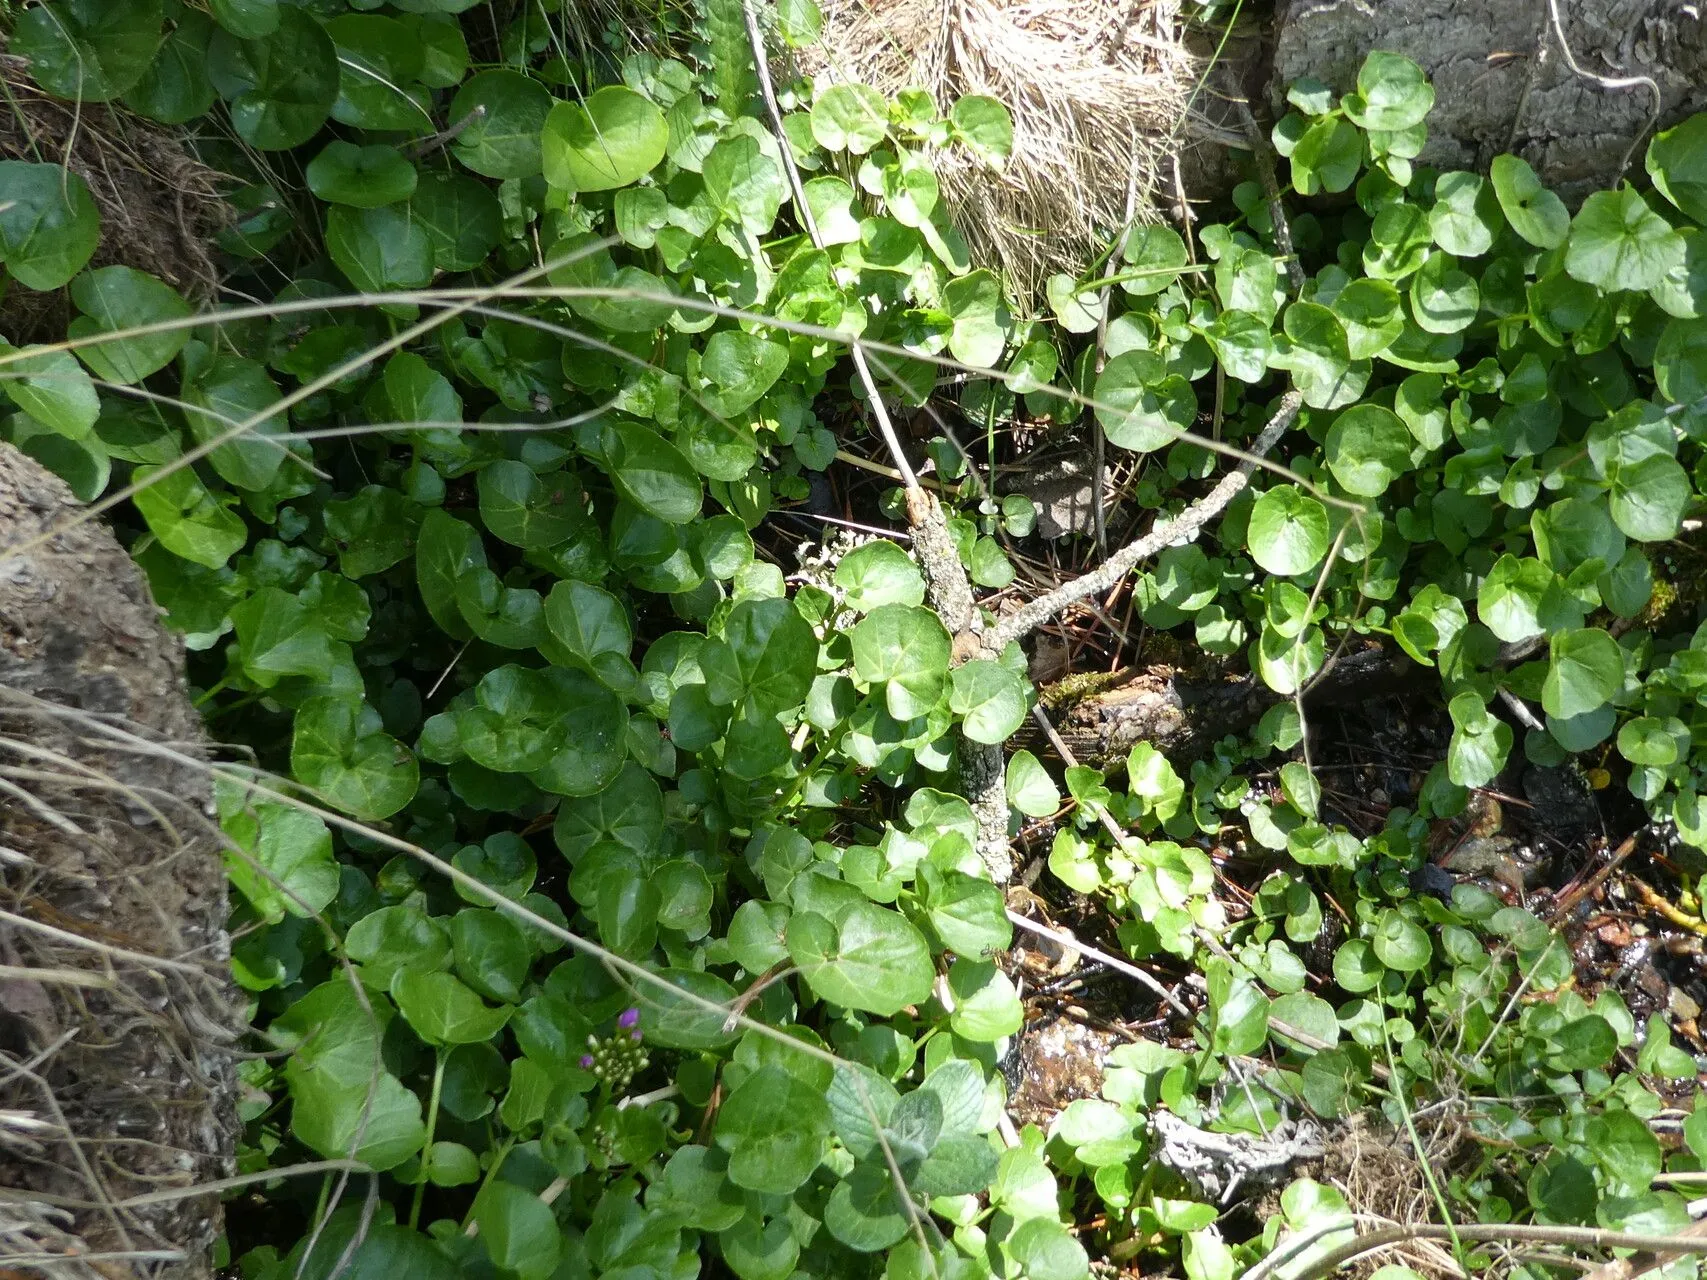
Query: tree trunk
point(117, 1011)
point(1501, 81)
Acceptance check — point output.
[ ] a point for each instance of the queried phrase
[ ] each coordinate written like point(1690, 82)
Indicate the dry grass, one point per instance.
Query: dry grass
point(160, 207)
point(1096, 88)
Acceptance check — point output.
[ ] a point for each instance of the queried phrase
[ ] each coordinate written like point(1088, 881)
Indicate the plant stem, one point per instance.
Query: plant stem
point(427, 1146)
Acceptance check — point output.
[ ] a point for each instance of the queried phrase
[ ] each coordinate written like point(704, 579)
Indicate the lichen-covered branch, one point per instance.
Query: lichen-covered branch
point(1180, 529)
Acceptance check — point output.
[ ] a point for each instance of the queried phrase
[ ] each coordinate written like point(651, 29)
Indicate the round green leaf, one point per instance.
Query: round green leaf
point(461, 217)
point(379, 250)
point(905, 650)
point(984, 126)
point(340, 750)
point(1367, 449)
point(1617, 242)
point(88, 50)
point(379, 60)
point(187, 518)
point(365, 177)
point(616, 138)
point(1154, 256)
point(1327, 158)
point(1680, 361)
point(1521, 598)
point(1443, 298)
point(1372, 315)
point(876, 961)
point(652, 473)
point(1288, 531)
point(175, 89)
point(774, 1127)
point(1648, 740)
point(281, 87)
point(1400, 943)
point(877, 574)
point(850, 117)
point(49, 226)
point(52, 388)
point(1466, 215)
point(1395, 93)
point(117, 298)
point(1140, 405)
point(990, 697)
point(442, 1011)
point(1535, 213)
point(505, 141)
point(1585, 670)
point(1649, 497)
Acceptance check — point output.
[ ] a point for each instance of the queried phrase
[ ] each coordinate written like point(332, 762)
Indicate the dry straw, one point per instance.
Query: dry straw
point(1096, 88)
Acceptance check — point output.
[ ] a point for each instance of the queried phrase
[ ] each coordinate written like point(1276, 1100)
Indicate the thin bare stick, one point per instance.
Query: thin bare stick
point(1107, 961)
point(1181, 529)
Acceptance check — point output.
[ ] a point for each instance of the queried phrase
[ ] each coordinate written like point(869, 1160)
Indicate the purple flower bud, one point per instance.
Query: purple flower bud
point(586, 1062)
point(628, 1018)
point(635, 1035)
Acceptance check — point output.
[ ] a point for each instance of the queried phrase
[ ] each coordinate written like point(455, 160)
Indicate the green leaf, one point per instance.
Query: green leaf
point(863, 1212)
point(230, 392)
point(87, 50)
point(446, 549)
point(987, 1006)
point(528, 510)
point(1367, 449)
point(1677, 162)
point(1649, 497)
point(1400, 943)
point(652, 473)
point(1395, 93)
point(984, 127)
point(1586, 669)
point(592, 627)
point(1372, 316)
point(515, 111)
point(1158, 253)
point(518, 1230)
point(52, 388)
point(1140, 405)
point(969, 916)
point(365, 177)
point(1443, 298)
point(379, 1125)
point(615, 139)
point(739, 368)
point(1319, 356)
point(49, 225)
point(442, 1011)
point(1535, 213)
point(1327, 158)
point(289, 868)
point(1680, 361)
point(1243, 344)
point(189, 520)
point(774, 1127)
point(340, 750)
point(1466, 216)
point(279, 636)
point(461, 217)
point(379, 60)
point(877, 574)
point(1650, 741)
point(1582, 1044)
point(246, 19)
point(875, 961)
point(175, 89)
point(767, 654)
point(118, 298)
point(1479, 747)
point(981, 320)
point(850, 117)
point(1030, 788)
point(1617, 242)
point(281, 87)
point(1523, 598)
point(379, 250)
point(905, 650)
point(745, 184)
point(990, 697)
point(1288, 531)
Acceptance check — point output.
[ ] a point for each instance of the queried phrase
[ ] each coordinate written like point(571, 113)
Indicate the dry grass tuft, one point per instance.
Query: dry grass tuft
point(160, 207)
point(1096, 88)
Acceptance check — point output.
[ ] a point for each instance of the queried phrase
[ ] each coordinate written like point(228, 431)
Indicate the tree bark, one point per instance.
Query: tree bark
point(1502, 83)
point(117, 1010)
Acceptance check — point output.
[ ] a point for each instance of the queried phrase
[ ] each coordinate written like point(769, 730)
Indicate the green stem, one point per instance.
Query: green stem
point(491, 1173)
point(427, 1146)
point(215, 690)
point(1404, 1105)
